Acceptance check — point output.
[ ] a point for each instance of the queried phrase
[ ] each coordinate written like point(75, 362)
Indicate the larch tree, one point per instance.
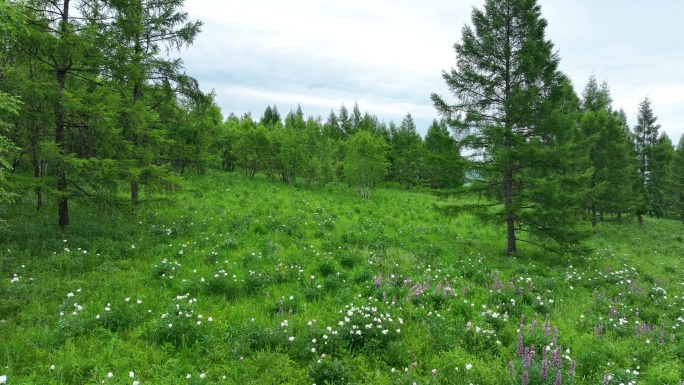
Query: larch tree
point(62, 44)
point(515, 114)
point(443, 163)
point(609, 152)
point(645, 137)
point(134, 34)
point(407, 151)
point(345, 122)
point(660, 178)
point(677, 170)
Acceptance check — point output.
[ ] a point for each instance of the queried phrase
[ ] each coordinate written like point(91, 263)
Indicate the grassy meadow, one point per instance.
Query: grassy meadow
point(255, 282)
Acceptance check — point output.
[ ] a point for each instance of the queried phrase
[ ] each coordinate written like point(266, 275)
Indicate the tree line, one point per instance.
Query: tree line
point(347, 147)
point(89, 102)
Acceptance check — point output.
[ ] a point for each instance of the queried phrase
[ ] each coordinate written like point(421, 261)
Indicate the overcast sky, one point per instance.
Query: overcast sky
point(388, 55)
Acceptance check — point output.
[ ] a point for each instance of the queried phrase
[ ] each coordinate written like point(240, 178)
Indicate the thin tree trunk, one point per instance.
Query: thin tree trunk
point(60, 125)
point(593, 215)
point(39, 190)
point(640, 221)
point(510, 217)
point(135, 188)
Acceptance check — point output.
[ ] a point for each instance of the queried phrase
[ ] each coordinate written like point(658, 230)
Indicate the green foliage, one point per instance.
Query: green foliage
point(8, 106)
point(677, 170)
point(365, 162)
point(103, 300)
point(444, 167)
point(407, 149)
point(330, 371)
point(515, 115)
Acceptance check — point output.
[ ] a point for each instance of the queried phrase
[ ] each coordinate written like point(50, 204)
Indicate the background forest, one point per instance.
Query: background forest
point(148, 238)
point(92, 102)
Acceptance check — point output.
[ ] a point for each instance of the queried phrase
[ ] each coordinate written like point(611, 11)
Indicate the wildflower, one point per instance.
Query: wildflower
point(131, 374)
point(203, 375)
point(136, 382)
point(110, 375)
point(469, 366)
point(52, 367)
point(291, 338)
point(188, 376)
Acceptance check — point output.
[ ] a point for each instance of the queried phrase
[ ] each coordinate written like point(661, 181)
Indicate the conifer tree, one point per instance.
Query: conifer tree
point(660, 177)
point(345, 122)
point(443, 162)
point(609, 152)
point(356, 119)
point(645, 137)
point(407, 147)
point(516, 112)
point(677, 172)
point(134, 34)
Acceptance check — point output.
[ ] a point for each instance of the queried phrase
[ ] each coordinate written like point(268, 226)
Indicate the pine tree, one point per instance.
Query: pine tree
point(516, 113)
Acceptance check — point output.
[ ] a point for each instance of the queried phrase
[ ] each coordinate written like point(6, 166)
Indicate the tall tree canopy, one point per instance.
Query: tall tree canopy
point(645, 136)
point(515, 112)
point(610, 154)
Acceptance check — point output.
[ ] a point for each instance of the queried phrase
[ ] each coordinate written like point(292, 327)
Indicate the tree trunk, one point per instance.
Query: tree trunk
point(39, 190)
point(593, 215)
point(510, 217)
point(60, 125)
point(134, 193)
point(640, 221)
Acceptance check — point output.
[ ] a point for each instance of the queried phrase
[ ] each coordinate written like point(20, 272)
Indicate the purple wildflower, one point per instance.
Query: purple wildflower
point(525, 378)
point(545, 369)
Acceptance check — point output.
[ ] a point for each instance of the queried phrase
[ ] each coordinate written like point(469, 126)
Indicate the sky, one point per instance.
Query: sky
point(388, 55)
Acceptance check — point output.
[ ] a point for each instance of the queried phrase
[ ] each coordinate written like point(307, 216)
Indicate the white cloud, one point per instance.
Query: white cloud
point(389, 55)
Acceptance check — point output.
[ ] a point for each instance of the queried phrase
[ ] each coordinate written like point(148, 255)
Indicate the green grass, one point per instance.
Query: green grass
point(264, 283)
